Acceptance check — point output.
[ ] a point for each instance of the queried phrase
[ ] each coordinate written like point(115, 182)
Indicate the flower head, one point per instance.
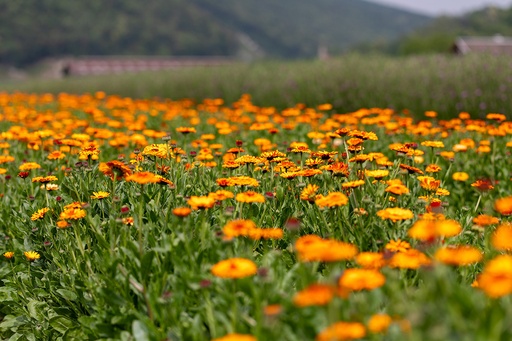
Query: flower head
point(234, 268)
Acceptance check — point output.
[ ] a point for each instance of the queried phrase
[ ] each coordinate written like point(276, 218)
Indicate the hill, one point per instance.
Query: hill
point(35, 29)
point(439, 35)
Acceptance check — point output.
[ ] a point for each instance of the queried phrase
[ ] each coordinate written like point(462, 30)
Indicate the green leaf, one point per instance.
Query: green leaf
point(67, 294)
point(140, 331)
point(35, 309)
point(61, 324)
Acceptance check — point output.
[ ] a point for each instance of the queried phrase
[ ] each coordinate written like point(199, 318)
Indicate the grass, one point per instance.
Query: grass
point(132, 219)
point(477, 84)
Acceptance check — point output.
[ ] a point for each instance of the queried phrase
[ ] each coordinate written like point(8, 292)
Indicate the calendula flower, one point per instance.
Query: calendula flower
point(201, 202)
point(29, 166)
point(410, 259)
point(398, 246)
point(433, 144)
point(332, 199)
point(31, 255)
point(428, 230)
point(496, 278)
point(186, 130)
point(9, 254)
point(56, 155)
point(461, 255)
point(100, 195)
point(361, 279)
point(115, 169)
point(342, 331)
point(312, 248)
point(181, 211)
point(44, 179)
point(72, 214)
point(429, 183)
point(315, 294)
point(379, 323)
point(39, 214)
point(353, 184)
point(62, 224)
point(250, 197)
point(503, 205)
point(309, 192)
point(143, 178)
point(485, 220)
point(235, 337)
point(234, 268)
point(395, 214)
point(236, 228)
point(371, 260)
point(502, 237)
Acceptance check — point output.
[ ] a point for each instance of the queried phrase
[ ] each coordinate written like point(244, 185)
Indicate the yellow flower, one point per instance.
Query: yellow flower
point(9, 254)
point(202, 202)
point(39, 214)
point(379, 323)
point(32, 255)
point(250, 197)
point(234, 268)
point(331, 200)
point(496, 278)
point(100, 195)
point(395, 214)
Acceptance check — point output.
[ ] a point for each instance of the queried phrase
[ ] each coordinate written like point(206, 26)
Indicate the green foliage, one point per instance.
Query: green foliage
point(36, 29)
point(448, 84)
point(440, 34)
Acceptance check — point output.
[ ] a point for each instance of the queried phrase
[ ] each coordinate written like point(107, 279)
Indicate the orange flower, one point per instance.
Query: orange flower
point(410, 259)
point(503, 205)
point(428, 230)
point(39, 214)
point(460, 176)
point(458, 255)
point(9, 254)
point(315, 294)
point(309, 192)
point(485, 220)
point(28, 166)
point(502, 238)
point(379, 323)
point(429, 183)
point(221, 195)
point(44, 179)
point(433, 144)
point(250, 197)
point(398, 246)
point(235, 337)
point(312, 248)
point(236, 228)
point(181, 211)
point(371, 260)
point(496, 278)
point(395, 214)
point(361, 279)
point(115, 169)
point(342, 331)
point(332, 199)
point(72, 213)
point(483, 185)
point(186, 130)
point(143, 178)
point(234, 268)
point(353, 184)
point(202, 202)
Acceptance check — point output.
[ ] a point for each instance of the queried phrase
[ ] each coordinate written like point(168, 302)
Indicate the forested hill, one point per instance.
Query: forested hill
point(439, 35)
point(31, 30)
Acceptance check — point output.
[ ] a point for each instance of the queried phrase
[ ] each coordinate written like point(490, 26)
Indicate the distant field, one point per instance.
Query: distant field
point(447, 84)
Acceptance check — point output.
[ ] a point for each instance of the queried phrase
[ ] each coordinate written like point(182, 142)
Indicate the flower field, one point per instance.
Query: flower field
point(136, 219)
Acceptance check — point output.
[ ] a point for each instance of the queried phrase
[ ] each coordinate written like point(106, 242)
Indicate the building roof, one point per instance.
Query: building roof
point(493, 45)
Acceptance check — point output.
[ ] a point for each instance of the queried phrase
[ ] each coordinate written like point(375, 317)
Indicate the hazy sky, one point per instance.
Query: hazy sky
point(450, 7)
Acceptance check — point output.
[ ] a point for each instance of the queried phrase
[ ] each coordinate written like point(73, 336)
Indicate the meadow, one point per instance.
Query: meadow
point(127, 218)
point(448, 84)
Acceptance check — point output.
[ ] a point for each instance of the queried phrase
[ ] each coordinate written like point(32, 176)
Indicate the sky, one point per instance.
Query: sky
point(439, 7)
